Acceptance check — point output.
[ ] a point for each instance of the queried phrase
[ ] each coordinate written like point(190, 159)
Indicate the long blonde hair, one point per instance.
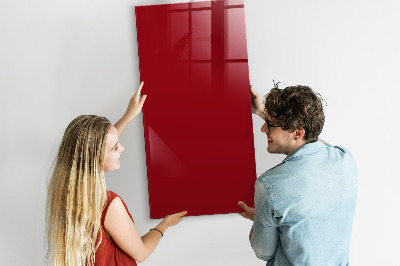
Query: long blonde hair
point(77, 193)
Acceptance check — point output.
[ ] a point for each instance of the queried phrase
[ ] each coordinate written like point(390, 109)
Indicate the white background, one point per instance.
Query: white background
point(60, 59)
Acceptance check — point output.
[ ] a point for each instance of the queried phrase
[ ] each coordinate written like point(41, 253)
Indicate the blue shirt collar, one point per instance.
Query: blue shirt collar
point(306, 149)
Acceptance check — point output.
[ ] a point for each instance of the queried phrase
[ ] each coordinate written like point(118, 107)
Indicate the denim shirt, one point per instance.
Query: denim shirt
point(305, 208)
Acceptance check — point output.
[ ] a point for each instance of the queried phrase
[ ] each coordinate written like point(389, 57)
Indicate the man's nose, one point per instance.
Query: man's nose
point(264, 128)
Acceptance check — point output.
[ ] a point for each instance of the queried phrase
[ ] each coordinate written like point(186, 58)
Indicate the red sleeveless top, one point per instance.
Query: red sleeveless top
point(109, 253)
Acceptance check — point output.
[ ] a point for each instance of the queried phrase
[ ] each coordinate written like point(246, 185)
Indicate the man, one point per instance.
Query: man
point(304, 206)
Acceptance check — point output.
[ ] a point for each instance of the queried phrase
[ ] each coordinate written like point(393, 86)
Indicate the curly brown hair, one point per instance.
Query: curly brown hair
point(297, 107)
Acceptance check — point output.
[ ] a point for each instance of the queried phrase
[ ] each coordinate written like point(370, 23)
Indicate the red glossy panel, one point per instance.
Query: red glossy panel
point(197, 116)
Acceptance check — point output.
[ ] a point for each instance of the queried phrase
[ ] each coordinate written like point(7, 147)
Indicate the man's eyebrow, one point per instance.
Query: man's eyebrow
point(115, 145)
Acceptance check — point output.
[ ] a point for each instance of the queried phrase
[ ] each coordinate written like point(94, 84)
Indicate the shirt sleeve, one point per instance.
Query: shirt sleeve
point(264, 239)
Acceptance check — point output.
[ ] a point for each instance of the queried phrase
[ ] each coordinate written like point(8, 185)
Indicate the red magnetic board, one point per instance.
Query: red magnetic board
point(197, 116)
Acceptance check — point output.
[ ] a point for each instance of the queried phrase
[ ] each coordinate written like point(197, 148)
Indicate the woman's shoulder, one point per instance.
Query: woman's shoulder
point(111, 195)
point(116, 203)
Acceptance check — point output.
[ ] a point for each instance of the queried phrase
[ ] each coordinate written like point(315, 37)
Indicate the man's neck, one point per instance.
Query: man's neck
point(297, 145)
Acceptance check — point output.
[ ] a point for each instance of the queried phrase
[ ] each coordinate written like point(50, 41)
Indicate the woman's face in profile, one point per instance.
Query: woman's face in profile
point(113, 151)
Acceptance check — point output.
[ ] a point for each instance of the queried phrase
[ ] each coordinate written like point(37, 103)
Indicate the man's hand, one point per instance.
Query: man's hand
point(257, 105)
point(248, 212)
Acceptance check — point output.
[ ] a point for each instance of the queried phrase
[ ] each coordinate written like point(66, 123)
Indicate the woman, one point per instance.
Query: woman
point(87, 224)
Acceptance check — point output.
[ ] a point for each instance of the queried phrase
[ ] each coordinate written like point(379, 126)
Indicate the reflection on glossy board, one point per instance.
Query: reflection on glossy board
point(197, 116)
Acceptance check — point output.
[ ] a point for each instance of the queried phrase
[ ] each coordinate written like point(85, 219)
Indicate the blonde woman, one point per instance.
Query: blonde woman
point(86, 223)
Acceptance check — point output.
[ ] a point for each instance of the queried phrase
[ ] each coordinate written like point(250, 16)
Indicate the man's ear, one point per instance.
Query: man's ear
point(299, 134)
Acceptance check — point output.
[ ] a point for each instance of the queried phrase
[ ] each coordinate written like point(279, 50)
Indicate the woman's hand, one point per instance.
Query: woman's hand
point(174, 219)
point(171, 220)
point(134, 107)
point(135, 104)
point(257, 106)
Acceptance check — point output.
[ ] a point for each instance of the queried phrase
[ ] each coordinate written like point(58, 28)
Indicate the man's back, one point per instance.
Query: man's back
point(305, 207)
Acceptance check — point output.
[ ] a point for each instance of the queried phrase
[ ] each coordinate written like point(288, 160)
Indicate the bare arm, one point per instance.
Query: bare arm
point(134, 108)
point(122, 229)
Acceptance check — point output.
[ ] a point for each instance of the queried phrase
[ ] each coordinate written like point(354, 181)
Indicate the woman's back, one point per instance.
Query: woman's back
point(108, 252)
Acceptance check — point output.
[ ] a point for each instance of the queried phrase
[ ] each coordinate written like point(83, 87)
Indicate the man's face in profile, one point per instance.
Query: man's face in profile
point(279, 141)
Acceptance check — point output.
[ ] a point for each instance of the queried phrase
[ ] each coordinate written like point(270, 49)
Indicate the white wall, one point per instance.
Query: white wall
point(59, 59)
